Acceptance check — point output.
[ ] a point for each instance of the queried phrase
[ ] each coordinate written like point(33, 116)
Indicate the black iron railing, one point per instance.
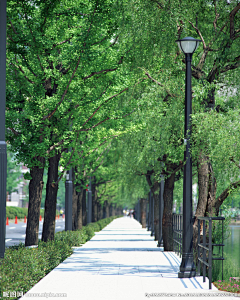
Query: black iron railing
point(177, 233)
point(208, 246)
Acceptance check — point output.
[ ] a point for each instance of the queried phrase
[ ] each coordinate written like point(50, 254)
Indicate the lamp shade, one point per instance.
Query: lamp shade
point(188, 44)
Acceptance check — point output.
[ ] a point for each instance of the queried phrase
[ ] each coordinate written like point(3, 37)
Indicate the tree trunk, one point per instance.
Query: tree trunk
point(107, 210)
point(211, 197)
point(79, 209)
point(104, 209)
point(51, 199)
point(94, 201)
point(143, 207)
point(84, 208)
point(35, 196)
point(207, 194)
point(113, 209)
point(99, 211)
point(154, 188)
point(167, 213)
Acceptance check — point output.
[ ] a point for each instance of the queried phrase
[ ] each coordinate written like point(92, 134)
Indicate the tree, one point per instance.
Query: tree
point(55, 55)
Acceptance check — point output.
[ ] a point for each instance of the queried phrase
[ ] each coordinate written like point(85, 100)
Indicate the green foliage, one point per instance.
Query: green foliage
point(230, 285)
point(72, 238)
point(12, 212)
point(28, 266)
point(20, 212)
point(23, 267)
point(74, 66)
point(91, 228)
point(229, 269)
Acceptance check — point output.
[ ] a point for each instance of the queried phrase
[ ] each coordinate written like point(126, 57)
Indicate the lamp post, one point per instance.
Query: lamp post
point(152, 214)
point(68, 200)
point(187, 268)
point(89, 215)
point(3, 147)
point(139, 211)
point(149, 212)
point(161, 190)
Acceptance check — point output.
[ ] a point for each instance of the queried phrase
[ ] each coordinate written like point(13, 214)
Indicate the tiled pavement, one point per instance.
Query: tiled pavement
point(121, 262)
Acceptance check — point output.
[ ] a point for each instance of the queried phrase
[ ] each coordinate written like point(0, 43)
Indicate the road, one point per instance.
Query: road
point(15, 233)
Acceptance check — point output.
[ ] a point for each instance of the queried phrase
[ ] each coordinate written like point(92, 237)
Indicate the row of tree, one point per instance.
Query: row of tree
point(98, 87)
point(158, 148)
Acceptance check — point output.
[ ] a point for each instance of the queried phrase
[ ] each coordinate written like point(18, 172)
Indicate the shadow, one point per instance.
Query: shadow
point(121, 240)
point(128, 229)
point(100, 233)
point(108, 250)
point(107, 268)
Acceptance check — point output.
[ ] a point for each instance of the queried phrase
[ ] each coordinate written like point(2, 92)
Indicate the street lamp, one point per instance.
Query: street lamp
point(187, 268)
point(161, 190)
point(152, 214)
point(68, 200)
point(89, 214)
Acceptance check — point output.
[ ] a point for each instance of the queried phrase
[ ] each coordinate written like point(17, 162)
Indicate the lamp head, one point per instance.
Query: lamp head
point(188, 44)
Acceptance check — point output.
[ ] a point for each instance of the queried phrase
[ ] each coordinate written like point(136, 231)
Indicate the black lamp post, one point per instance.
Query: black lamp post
point(68, 200)
point(152, 214)
point(187, 268)
point(161, 190)
point(3, 147)
point(149, 212)
point(89, 215)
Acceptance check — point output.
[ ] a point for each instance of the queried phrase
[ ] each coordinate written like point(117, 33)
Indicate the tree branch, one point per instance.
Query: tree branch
point(65, 92)
point(232, 66)
point(101, 162)
point(225, 194)
point(14, 131)
point(199, 33)
point(100, 107)
point(103, 71)
point(231, 17)
point(158, 83)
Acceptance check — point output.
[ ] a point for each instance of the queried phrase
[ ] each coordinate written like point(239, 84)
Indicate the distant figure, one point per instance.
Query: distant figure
point(134, 214)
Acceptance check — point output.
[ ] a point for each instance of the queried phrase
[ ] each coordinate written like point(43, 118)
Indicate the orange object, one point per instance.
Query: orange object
point(7, 223)
point(16, 220)
point(63, 216)
point(58, 217)
point(25, 219)
point(40, 218)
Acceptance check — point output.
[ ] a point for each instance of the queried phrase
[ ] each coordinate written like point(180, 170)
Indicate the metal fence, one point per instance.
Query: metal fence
point(208, 246)
point(177, 233)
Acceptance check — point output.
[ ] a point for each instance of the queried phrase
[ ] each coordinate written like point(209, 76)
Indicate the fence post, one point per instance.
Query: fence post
point(210, 254)
point(198, 249)
point(204, 251)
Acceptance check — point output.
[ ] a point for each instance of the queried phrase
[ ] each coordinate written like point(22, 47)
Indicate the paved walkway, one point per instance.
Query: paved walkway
point(121, 262)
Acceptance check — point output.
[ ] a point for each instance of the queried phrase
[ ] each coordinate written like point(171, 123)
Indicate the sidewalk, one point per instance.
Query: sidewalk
point(121, 262)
